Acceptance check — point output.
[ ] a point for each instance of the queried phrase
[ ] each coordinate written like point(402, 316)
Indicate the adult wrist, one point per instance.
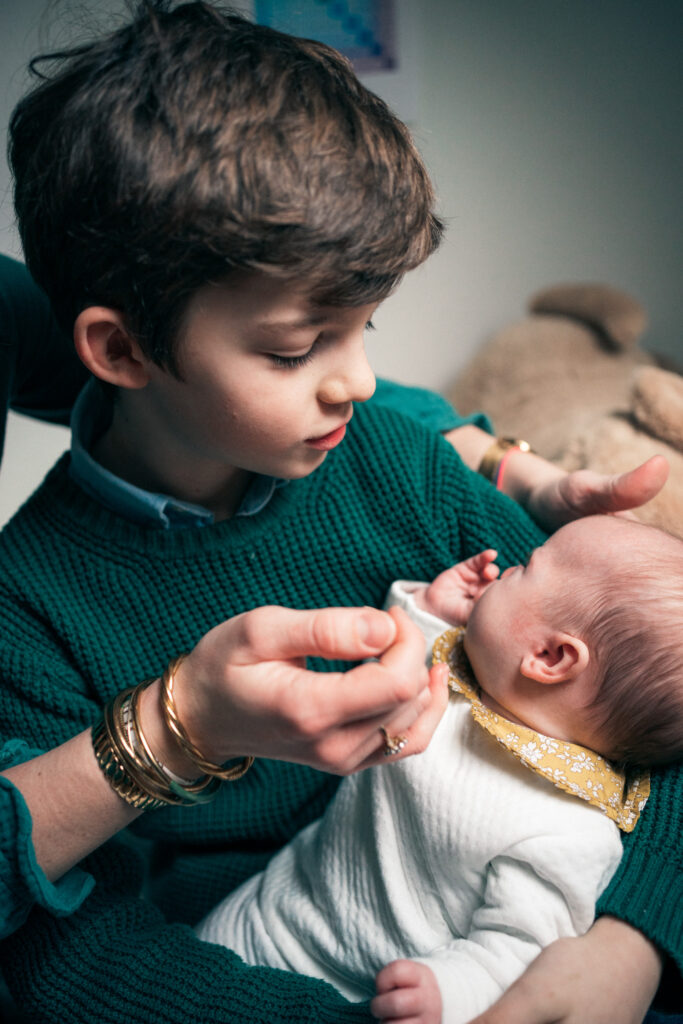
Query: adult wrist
point(158, 734)
point(494, 461)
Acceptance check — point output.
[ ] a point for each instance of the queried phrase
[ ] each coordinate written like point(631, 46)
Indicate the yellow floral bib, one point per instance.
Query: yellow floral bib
point(621, 795)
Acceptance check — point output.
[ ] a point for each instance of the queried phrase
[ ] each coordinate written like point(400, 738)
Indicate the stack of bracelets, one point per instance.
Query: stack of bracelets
point(132, 770)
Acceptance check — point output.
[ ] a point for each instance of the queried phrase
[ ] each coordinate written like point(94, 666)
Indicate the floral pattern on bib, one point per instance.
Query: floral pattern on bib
point(620, 794)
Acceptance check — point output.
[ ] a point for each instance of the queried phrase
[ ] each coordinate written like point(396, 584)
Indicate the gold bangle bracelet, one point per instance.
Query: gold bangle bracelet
point(189, 790)
point(115, 771)
point(185, 743)
point(494, 455)
point(129, 765)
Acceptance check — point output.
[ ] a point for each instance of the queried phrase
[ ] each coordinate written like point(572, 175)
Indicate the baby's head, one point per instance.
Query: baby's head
point(585, 641)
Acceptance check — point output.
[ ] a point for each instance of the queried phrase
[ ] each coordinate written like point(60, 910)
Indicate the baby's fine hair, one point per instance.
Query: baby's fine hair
point(635, 626)
point(191, 143)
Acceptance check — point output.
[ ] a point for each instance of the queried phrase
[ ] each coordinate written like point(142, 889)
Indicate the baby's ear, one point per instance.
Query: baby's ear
point(558, 658)
point(105, 345)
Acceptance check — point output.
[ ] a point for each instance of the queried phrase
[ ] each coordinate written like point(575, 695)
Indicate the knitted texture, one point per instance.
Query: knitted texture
point(91, 603)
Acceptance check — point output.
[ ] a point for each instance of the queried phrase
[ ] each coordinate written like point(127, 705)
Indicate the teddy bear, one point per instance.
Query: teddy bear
point(572, 379)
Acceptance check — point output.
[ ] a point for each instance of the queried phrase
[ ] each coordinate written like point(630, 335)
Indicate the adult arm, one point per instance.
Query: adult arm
point(62, 807)
point(553, 496)
point(114, 908)
point(608, 976)
point(549, 494)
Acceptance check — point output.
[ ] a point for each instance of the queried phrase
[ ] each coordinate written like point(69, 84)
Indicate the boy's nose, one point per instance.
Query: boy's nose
point(352, 380)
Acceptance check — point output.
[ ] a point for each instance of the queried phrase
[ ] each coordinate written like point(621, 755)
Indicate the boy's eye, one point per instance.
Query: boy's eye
point(292, 362)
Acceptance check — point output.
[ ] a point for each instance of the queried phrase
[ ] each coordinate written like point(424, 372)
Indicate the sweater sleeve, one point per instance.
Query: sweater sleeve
point(116, 960)
point(647, 889)
point(427, 407)
point(112, 956)
point(23, 884)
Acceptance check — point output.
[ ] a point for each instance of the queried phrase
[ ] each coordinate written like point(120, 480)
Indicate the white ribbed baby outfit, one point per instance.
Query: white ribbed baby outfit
point(460, 857)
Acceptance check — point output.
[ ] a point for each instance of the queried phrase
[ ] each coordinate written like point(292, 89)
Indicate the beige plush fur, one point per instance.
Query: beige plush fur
point(571, 379)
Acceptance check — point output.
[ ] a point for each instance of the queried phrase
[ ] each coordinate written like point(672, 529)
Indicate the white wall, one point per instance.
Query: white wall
point(552, 129)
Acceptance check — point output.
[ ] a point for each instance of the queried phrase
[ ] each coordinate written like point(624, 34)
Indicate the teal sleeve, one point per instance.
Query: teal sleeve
point(647, 889)
point(118, 960)
point(23, 884)
point(427, 407)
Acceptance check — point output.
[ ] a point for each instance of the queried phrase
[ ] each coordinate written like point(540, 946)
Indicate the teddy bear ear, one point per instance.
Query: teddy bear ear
point(615, 315)
point(657, 404)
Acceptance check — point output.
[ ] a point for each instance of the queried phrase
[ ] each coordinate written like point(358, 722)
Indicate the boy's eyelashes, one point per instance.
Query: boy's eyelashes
point(292, 362)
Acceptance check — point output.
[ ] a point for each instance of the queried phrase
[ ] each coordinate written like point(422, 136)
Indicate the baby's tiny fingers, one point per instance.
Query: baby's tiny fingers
point(398, 1004)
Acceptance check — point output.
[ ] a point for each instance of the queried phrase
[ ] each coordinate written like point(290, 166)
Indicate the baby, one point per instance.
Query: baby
point(499, 838)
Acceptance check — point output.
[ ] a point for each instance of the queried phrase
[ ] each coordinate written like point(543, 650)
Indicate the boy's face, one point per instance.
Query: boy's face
point(268, 382)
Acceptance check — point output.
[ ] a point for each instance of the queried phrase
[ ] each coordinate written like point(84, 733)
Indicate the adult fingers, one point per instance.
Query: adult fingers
point(375, 688)
point(272, 633)
point(589, 493)
point(431, 704)
point(639, 485)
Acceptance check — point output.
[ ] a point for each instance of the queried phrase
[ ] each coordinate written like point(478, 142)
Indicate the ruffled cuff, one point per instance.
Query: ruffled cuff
point(23, 884)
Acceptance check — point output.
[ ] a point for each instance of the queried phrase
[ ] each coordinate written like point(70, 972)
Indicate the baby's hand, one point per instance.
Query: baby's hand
point(407, 991)
point(453, 593)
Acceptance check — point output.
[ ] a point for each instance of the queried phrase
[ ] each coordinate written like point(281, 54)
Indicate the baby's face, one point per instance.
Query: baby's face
point(519, 607)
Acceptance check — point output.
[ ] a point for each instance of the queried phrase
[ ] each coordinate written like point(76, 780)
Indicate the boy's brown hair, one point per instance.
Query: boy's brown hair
point(191, 143)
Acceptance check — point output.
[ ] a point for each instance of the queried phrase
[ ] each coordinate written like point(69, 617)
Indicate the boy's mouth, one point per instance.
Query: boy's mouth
point(327, 441)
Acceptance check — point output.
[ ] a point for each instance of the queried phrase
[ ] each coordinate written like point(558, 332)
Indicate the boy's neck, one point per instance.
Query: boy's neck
point(135, 454)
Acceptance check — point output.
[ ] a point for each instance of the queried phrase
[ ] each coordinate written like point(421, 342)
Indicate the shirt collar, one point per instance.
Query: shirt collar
point(619, 794)
point(91, 416)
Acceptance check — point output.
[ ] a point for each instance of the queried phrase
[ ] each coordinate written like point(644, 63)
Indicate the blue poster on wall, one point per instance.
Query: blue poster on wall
point(363, 30)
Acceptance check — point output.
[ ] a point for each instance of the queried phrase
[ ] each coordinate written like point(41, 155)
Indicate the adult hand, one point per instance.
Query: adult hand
point(554, 497)
point(245, 688)
point(567, 496)
point(608, 976)
point(408, 992)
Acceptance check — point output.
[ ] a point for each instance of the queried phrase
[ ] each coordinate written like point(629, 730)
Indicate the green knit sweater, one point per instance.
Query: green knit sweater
point(90, 602)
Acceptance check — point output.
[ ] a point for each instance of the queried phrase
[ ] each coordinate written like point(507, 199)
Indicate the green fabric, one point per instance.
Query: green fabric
point(90, 603)
point(22, 881)
point(646, 890)
point(426, 407)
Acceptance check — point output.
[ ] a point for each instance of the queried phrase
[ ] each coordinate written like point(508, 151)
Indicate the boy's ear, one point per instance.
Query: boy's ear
point(558, 658)
point(104, 344)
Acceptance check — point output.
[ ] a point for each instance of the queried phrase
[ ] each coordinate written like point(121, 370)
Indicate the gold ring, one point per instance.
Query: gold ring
point(392, 744)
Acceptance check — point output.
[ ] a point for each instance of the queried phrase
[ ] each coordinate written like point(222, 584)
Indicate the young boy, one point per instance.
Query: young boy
point(215, 210)
point(472, 856)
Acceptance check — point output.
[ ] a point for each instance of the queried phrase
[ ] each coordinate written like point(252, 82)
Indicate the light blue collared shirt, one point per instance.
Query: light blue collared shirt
point(90, 418)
